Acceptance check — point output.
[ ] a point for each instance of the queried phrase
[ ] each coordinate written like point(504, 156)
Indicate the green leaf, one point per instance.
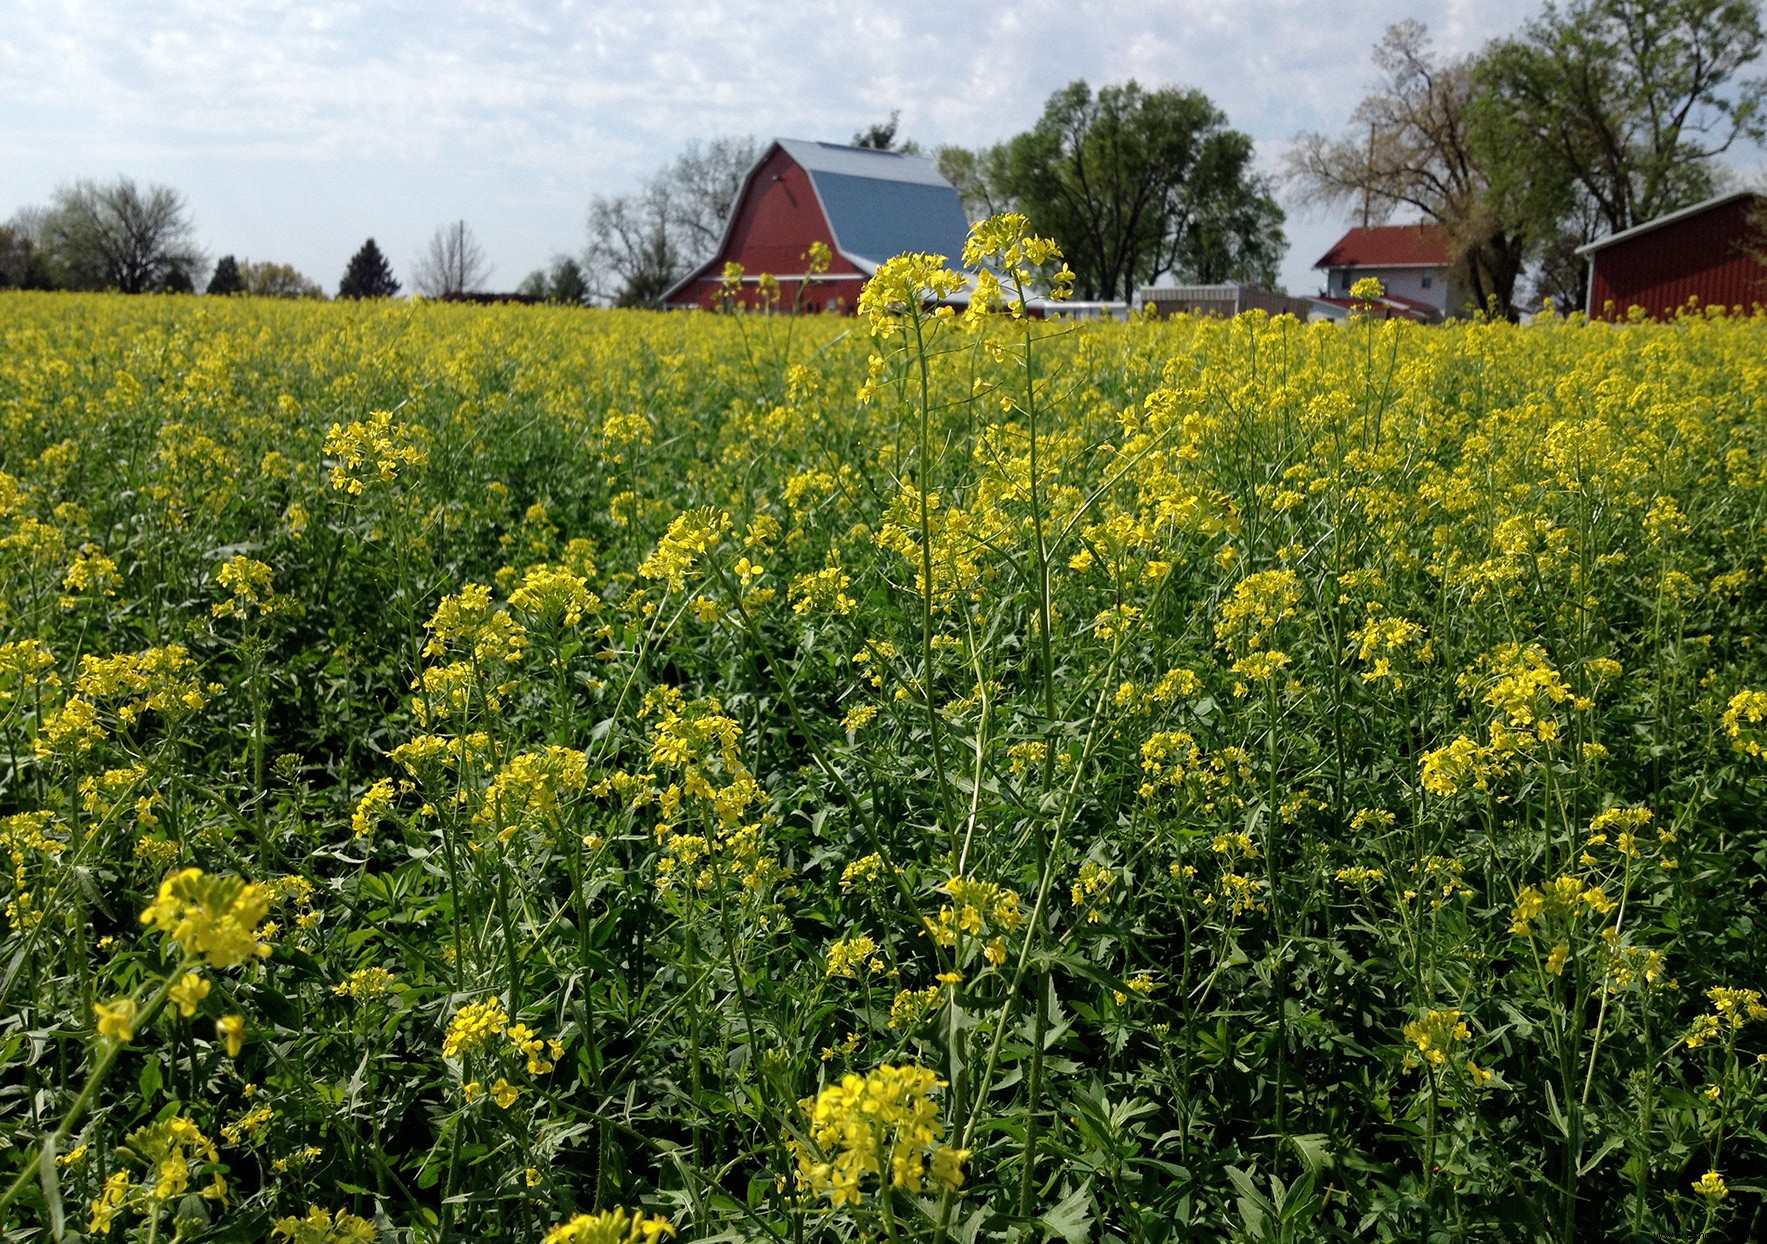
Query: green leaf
point(150, 1079)
point(1071, 1218)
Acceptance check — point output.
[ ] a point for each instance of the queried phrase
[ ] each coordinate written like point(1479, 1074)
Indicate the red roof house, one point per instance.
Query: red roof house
point(1714, 252)
point(1413, 262)
point(864, 205)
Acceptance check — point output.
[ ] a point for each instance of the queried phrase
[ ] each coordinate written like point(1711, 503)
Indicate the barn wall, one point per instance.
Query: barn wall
point(774, 226)
point(1705, 257)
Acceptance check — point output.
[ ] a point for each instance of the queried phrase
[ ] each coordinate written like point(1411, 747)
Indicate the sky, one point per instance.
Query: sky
point(295, 129)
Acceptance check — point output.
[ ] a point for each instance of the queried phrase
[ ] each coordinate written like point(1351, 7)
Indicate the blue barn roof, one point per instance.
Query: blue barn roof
point(882, 203)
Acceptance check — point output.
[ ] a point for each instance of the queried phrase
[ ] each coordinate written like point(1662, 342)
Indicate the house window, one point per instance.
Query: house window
point(1428, 280)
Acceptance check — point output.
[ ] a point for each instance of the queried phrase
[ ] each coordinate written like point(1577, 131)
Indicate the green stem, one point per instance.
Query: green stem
point(109, 1049)
point(925, 473)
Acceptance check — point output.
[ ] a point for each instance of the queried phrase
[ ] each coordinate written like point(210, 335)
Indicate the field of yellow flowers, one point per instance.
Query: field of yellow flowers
point(534, 775)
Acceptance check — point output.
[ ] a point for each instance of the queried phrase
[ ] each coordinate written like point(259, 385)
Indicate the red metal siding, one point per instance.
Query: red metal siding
point(1707, 257)
point(775, 223)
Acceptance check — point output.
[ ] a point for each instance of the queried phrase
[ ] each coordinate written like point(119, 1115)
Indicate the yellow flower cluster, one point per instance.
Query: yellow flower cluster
point(215, 920)
point(851, 957)
point(374, 450)
point(984, 910)
point(1559, 901)
point(250, 583)
point(613, 1226)
point(25, 665)
point(553, 595)
point(1732, 1009)
point(1743, 718)
point(904, 286)
point(158, 680)
point(365, 984)
point(530, 790)
point(1433, 1038)
point(1257, 603)
point(884, 1126)
point(321, 1226)
point(168, 1150)
point(473, 1025)
point(469, 623)
point(689, 537)
point(1711, 1186)
point(1091, 890)
point(372, 808)
point(1004, 246)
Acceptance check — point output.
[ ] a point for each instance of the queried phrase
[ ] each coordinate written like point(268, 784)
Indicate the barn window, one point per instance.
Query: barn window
point(1428, 280)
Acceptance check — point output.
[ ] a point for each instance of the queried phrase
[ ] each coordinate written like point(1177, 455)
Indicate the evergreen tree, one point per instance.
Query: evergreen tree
point(567, 284)
point(369, 275)
point(226, 279)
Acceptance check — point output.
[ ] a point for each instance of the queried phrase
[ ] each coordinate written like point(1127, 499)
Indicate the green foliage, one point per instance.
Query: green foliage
point(1416, 145)
point(1607, 113)
point(1193, 780)
point(563, 283)
point(1134, 184)
point(226, 279)
point(264, 279)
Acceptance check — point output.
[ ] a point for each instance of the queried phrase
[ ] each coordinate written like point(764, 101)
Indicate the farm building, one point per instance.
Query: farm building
point(1715, 252)
point(865, 205)
point(1227, 299)
point(1412, 262)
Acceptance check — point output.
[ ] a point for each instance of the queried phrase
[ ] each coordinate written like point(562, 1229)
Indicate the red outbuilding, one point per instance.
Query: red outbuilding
point(864, 205)
point(1714, 252)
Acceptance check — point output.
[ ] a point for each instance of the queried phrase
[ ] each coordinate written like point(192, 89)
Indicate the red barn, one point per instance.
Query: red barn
point(1714, 251)
point(865, 206)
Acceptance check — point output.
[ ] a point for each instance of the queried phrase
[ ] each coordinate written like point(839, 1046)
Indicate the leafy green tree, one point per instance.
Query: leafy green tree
point(566, 283)
point(1412, 146)
point(225, 279)
point(563, 283)
point(277, 280)
point(885, 136)
point(22, 262)
point(118, 236)
point(1610, 113)
point(1134, 184)
point(368, 275)
point(976, 181)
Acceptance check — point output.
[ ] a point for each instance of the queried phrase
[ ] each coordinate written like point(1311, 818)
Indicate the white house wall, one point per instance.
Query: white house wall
point(1398, 282)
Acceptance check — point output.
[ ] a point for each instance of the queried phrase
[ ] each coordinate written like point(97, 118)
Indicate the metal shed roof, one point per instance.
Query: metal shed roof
point(1720, 200)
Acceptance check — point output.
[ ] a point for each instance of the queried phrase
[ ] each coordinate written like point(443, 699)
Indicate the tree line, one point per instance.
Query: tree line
point(1598, 115)
point(119, 236)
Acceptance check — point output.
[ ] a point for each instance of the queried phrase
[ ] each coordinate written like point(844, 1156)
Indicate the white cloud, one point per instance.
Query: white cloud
point(296, 126)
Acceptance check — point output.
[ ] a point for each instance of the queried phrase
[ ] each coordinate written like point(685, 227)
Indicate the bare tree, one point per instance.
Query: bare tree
point(117, 236)
point(453, 263)
point(635, 251)
point(642, 243)
point(1411, 145)
point(702, 184)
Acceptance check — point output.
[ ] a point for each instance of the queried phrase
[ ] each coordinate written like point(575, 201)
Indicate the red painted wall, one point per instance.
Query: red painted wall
point(775, 223)
point(1706, 256)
